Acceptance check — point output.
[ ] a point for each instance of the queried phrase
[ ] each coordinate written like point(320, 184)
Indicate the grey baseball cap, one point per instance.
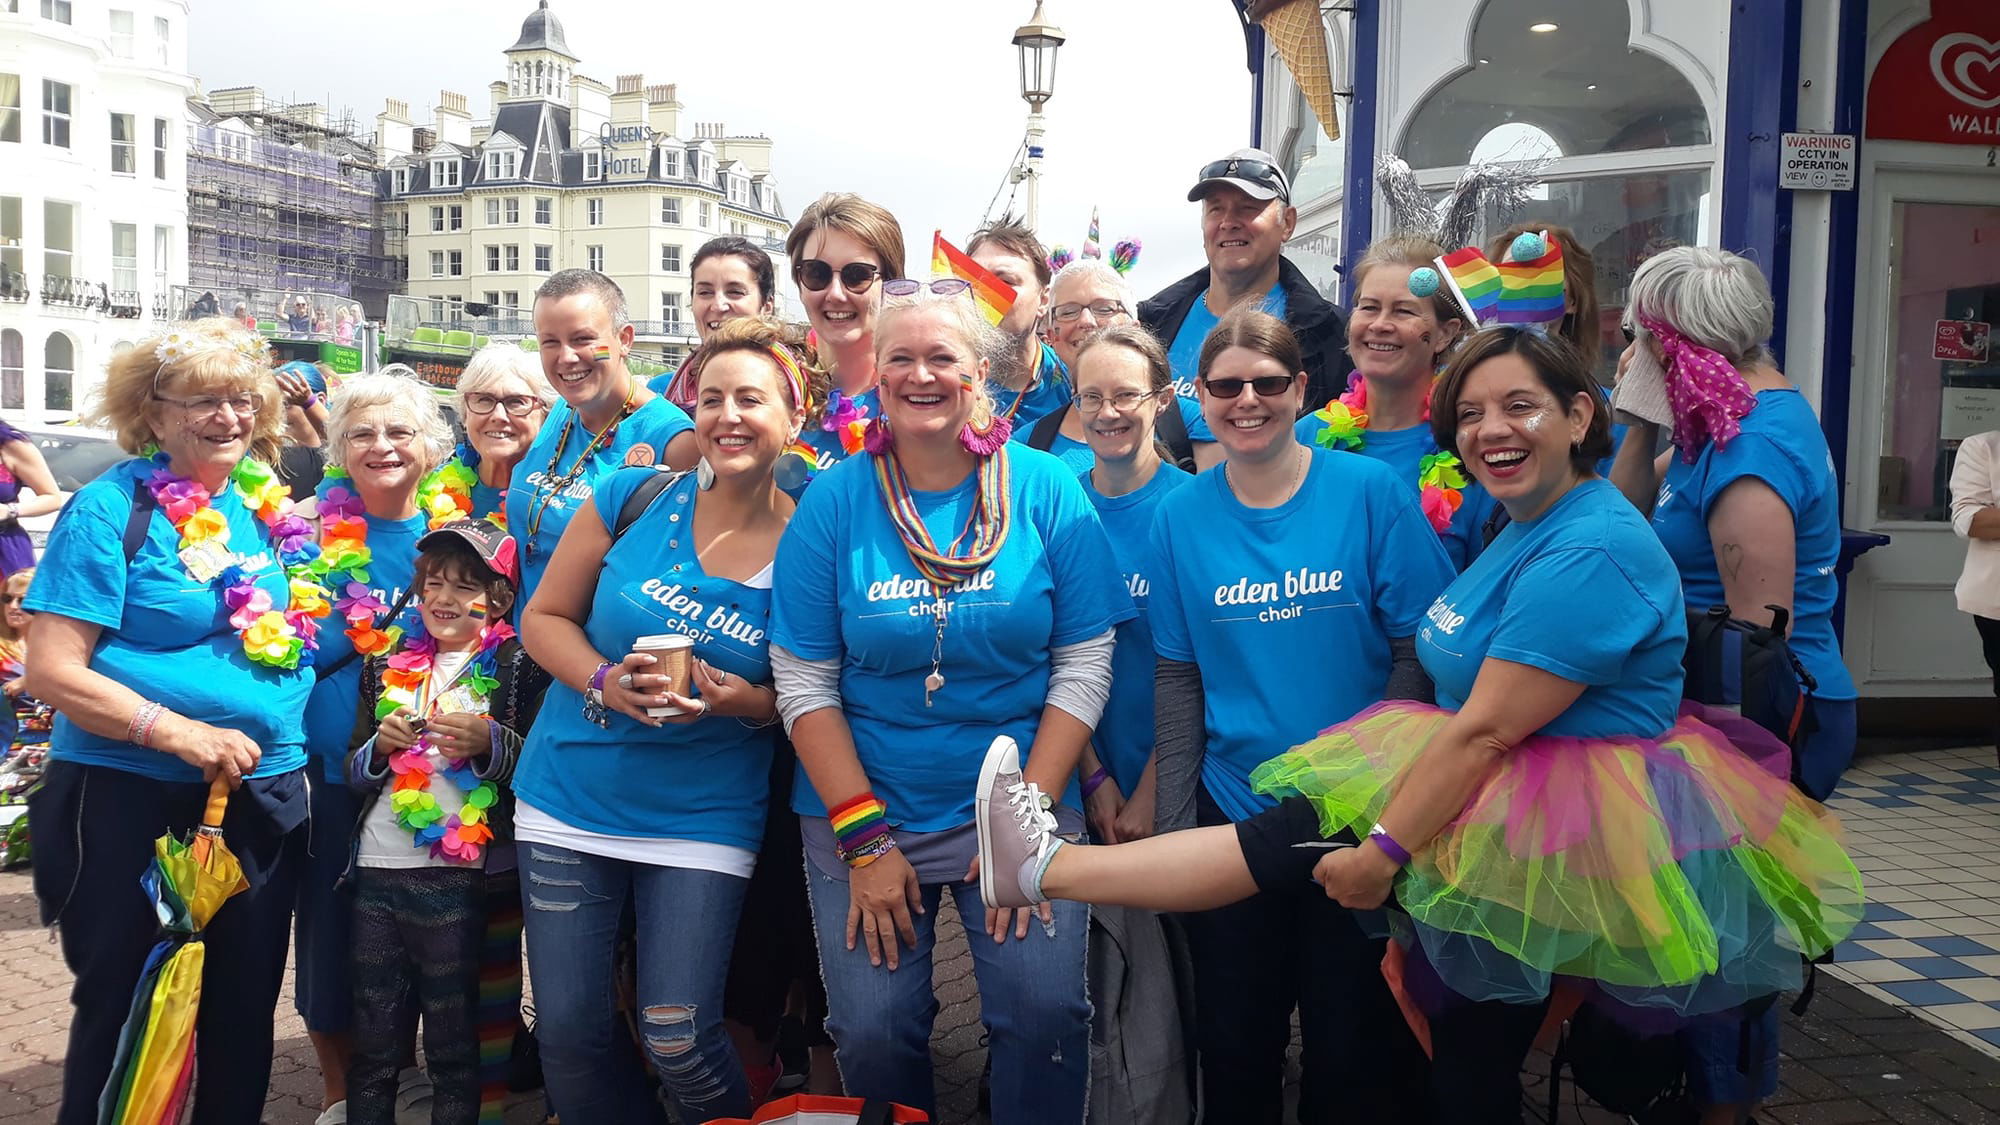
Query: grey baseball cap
point(1252, 170)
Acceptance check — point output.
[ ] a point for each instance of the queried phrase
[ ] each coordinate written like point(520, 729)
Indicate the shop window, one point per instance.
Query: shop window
point(58, 372)
point(1944, 377)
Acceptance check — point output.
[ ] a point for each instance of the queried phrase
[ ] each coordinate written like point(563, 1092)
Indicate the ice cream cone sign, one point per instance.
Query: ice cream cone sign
point(1294, 28)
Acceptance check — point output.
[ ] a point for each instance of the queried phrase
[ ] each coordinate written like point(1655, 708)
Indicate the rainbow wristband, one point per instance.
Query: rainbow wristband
point(861, 829)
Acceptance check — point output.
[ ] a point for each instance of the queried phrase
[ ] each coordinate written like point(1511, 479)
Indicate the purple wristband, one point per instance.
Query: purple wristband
point(1091, 783)
point(597, 677)
point(1389, 846)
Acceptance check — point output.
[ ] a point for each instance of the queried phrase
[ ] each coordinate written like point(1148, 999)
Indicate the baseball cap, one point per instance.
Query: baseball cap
point(1253, 170)
point(492, 544)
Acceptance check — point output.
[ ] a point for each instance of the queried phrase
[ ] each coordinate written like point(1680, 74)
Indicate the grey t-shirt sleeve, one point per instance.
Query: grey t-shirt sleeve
point(1180, 738)
point(1080, 677)
point(804, 686)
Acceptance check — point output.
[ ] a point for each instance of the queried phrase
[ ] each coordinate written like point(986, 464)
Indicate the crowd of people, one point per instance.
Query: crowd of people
point(1251, 619)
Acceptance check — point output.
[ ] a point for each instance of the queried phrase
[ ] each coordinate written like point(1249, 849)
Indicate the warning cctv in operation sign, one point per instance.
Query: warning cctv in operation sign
point(1817, 162)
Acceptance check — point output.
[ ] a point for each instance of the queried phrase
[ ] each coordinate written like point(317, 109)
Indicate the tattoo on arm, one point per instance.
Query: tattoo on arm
point(1729, 559)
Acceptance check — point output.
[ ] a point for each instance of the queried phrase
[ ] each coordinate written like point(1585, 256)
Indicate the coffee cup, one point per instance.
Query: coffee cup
point(674, 657)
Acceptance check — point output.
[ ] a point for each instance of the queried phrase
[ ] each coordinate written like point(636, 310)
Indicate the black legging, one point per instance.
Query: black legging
point(1989, 641)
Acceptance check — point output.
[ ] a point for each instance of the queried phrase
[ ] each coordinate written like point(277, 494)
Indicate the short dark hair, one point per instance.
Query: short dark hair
point(1557, 364)
point(736, 246)
point(1247, 326)
point(450, 556)
point(1013, 236)
point(1136, 339)
point(568, 283)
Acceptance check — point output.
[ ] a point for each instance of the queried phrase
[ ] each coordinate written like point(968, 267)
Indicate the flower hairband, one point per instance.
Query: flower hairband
point(180, 344)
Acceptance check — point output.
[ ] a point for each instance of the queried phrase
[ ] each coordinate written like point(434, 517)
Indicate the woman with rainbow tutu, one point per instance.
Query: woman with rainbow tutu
point(1557, 815)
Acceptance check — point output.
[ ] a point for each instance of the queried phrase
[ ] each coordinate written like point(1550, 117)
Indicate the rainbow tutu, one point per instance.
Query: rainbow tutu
point(1673, 873)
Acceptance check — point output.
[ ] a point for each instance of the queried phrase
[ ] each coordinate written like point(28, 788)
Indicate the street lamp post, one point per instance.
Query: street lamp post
point(1037, 41)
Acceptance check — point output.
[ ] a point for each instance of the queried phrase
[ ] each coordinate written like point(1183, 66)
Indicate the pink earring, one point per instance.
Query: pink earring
point(986, 442)
point(876, 438)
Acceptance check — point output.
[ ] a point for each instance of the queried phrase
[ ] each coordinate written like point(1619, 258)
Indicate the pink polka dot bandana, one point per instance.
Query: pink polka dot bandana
point(1709, 397)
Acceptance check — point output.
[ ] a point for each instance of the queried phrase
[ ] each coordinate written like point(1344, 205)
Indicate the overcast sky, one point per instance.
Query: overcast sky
point(916, 105)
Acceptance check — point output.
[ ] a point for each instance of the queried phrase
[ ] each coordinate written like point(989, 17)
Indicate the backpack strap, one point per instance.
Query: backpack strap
point(1172, 431)
point(138, 520)
point(1046, 429)
point(642, 498)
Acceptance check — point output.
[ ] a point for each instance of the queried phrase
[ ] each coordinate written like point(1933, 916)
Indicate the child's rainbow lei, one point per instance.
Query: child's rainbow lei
point(459, 836)
point(270, 637)
point(443, 496)
point(1440, 475)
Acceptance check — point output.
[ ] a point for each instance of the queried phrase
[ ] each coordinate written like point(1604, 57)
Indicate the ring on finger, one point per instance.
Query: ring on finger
point(625, 681)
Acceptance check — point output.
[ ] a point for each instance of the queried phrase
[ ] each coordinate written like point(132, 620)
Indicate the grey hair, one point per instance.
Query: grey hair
point(568, 283)
point(1100, 270)
point(495, 362)
point(982, 339)
point(401, 392)
point(1714, 298)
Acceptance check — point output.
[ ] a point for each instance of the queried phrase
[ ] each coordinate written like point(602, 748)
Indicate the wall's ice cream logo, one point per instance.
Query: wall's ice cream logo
point(1968, 67)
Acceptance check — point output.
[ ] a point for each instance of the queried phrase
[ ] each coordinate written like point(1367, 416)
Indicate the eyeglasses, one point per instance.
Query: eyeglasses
point(1266, 386)
point(855, 277)
point(363, 437)
point(1090, 402)
point(910, 287)
point(1100, 311)
point(517, 406)
point(1256, 171)
point(203, 407)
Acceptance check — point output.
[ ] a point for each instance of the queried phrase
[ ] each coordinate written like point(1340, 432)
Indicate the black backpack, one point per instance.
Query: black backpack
point(1170, 430)
point(1740, 664)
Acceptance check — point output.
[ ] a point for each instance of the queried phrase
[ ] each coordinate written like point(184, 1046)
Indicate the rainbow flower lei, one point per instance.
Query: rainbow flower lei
point(271, 637)
point(1441, 477)
point(444, 495)
point(458, 836)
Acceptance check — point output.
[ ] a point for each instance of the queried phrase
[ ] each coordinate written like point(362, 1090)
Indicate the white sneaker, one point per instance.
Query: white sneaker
point(335, 1114)
point(1017, 834)
point(413, 1097)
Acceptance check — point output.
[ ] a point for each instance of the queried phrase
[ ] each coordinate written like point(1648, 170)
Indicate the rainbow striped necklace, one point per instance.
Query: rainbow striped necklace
point(977, 545)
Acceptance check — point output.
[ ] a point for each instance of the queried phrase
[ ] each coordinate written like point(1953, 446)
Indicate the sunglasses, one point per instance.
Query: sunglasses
point(1631, 333)
point(1266, 386)
point(855, 277)
point(910, 287)
point(1256, 171)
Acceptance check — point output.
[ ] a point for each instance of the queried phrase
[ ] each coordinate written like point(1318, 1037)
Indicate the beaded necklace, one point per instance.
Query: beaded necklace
point(1440, 475)
point(270, 637)
point(985, 526)
point(344, 556)
point(407, 683)
point(553, 485)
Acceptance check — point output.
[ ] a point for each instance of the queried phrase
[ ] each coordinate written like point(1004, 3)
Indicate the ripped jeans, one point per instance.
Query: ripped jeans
point(686, 925)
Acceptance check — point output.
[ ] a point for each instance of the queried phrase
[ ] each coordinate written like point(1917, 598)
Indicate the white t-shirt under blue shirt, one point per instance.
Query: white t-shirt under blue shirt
point(1518, 601)
point(845, 589)
point(1124, 736)
point(1288, 611)
point(1185, 354)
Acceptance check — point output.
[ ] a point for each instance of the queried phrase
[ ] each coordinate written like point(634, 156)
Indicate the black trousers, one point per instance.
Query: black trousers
point(1989, 642)
point(775, 947)
point(1290, 947)
point(1474, 1076)
point(94, 833)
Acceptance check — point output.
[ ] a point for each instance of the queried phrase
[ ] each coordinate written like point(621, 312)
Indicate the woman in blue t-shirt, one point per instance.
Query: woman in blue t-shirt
point(503, 399)
point(386, 435)
point(607, 417)
point(946, 588)
point(842, 248)
point(173, 647)
point(731, 277)
point(1323, 562)
point(1555, 814)
point(1398, 340)
point(1123, 384)
point(646, 773)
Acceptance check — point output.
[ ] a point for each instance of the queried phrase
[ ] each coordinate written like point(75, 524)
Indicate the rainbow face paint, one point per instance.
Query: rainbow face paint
point(477, 610)
point(603, 354)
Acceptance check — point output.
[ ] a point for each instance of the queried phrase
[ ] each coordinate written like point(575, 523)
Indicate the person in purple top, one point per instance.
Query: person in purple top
point(22, 470)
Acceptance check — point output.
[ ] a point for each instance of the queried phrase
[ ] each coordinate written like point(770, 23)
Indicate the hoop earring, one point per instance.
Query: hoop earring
point(704, 475)
point(986, 442)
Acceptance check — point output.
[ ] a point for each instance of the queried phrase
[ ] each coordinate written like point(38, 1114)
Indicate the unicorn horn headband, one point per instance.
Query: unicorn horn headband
point(1526, 287)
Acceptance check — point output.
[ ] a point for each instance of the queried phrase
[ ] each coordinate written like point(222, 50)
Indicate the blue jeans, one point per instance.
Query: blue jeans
point(686, 925)
point(1031, 998)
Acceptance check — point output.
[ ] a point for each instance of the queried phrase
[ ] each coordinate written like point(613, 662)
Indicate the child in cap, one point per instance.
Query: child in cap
point(443, 715)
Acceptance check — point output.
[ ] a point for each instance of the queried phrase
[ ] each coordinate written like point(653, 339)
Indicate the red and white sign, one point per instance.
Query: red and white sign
point(1940, 81)
point(1962, 341)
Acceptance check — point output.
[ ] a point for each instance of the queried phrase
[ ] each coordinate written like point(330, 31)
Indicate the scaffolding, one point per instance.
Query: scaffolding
point(289, 207)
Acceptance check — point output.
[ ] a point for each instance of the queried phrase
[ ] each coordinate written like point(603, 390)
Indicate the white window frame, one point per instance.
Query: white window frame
point(545, 210)
point(57, 10)
point(512, 254)
point(503, 164)
point(593, 212)
point(163, 39)
point(121, 38)
point(670, 312)
point(163, 249)
point(163, 136)
point(593, 257)
point(125, 267)
point(593, 164)
point(65, 117)
point(52, 255)
point(545, 258)
point(455, 216)
point(399, 181)
point(437, 263)
point(493, 258)
point(511, 208)
point(703, 213)
point(670, 257)
point(10, 115)
point(127, 148)
point(455, 262)
point(437, 218)
point(444, 173)
point(670, 211)
point(670, 163)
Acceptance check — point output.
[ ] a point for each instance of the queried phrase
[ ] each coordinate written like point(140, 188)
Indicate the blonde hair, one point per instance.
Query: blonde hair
point(384, 388)
point(217, 356)
point(963, 318)
point(1411, 252)
point(13, 645)
point(760, 335)
point(495, 362)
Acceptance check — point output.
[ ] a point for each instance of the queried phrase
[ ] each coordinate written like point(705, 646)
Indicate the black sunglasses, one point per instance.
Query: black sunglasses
point(1256, 171)
point(855, 277)
point(1266, 386)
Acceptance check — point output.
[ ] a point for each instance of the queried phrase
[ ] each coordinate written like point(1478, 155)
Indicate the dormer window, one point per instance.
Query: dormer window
point(444, 174)
point(503, 165)
point(670, 164)
point(399, 181)
point(593, 164)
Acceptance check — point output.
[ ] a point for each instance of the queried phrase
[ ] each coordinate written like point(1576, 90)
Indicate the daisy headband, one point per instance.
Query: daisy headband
point(180, 345)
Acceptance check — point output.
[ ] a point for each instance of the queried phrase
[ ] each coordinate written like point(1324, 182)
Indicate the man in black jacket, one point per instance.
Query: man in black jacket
point(1246, 216)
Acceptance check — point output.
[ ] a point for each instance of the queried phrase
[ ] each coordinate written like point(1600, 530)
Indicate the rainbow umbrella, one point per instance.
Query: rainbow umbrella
point(188, 882)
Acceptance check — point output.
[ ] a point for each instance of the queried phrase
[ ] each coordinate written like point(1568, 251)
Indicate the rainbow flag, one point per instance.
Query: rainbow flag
point(995, 296)
point(1531, 292)
point(1473, 280)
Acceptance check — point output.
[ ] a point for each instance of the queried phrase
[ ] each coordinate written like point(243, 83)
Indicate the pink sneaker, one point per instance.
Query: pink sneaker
point(1017, 835)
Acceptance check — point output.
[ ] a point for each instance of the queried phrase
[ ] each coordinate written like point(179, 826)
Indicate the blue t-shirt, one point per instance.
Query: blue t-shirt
point(488, 501)
point(165, 635)
point(1288, 610)
point(1403, 451)
point(1518, 601)
point(827, 443)
point(1124, 736)
point(1077, 454)
point(1782, 446)
point(331, 712)
point(658, 384)
point(640, 440)
point(1049, 393)
point(847, 590)
point(707, 780)
point(1185, 354)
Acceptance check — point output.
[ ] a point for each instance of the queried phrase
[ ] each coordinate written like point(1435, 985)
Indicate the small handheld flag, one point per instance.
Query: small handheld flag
point(1473, 281)
point(993, 295)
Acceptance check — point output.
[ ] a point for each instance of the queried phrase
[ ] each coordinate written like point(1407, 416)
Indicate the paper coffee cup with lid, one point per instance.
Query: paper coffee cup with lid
point(674, 653)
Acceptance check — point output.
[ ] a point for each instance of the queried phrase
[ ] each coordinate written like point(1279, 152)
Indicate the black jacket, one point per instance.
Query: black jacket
point(1320, 325)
